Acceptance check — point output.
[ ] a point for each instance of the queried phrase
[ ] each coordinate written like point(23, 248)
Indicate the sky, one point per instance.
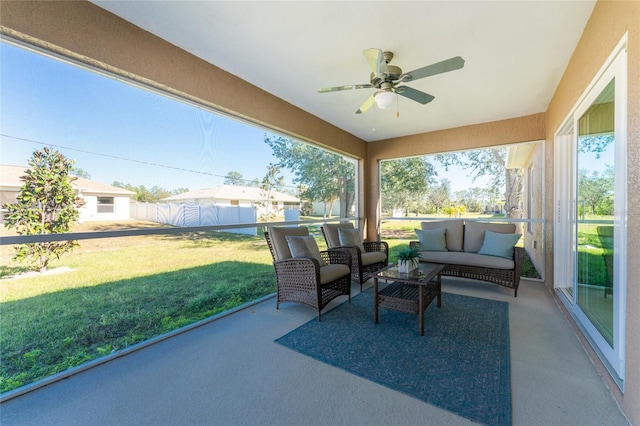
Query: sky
point(118, 132)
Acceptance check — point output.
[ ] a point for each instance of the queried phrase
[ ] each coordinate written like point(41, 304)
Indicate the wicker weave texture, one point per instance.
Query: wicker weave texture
point(404, 297)
point(359, 272)
point(298, 279)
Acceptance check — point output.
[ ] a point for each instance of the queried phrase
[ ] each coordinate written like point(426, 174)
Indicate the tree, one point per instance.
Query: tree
point(271, 182)
point(595, 144)
point(491, 162)
point(326, 176)
point(440, 195)
point(77, 171)
point(403, 182)
point(233, 178)
point(145, 195)
point(46, 204)
point(596, 190)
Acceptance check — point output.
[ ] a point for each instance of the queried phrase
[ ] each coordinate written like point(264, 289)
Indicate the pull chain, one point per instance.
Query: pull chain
point(374, 118)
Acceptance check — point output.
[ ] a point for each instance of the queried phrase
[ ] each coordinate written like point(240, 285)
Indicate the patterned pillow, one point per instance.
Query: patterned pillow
point(432, 239)
point(498, 244)
point(304, 246)
point(350, 237)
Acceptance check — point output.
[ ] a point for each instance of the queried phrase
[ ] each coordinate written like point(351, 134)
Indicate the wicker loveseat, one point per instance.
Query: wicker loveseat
point(461, 246)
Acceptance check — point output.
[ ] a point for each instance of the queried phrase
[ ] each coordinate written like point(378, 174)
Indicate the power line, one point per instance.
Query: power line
point(116, 157)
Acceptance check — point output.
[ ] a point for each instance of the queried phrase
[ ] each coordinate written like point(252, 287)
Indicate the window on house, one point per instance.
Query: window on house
point(106, 205)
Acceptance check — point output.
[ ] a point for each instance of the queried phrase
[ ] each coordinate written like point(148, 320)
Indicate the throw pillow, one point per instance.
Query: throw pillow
point(432, 239)
point(498, 244)
point(304, 246)
point(350, 237)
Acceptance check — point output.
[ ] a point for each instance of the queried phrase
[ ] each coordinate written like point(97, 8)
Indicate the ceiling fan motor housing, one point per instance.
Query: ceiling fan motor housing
point(393, 73)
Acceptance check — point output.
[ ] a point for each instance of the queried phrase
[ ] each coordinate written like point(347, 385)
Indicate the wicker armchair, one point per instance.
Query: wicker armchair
point(303, 280)
point(364, 263)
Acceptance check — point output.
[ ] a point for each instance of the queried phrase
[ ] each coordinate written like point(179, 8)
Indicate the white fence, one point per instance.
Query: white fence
point(195, 215)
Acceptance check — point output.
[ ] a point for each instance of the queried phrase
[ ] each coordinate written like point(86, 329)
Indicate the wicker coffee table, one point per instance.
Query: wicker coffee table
point(411, 292)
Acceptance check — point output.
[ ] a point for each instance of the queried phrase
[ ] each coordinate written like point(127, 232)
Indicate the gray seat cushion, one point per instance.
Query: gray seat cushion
point(332, 272)
point(468, 259)
point(369, 258)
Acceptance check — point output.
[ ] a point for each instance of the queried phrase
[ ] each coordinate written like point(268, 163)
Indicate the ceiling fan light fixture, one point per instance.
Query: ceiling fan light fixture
point(385, 98)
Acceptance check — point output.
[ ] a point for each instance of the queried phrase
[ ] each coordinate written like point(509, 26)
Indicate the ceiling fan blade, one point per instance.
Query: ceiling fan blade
point(376, 61)
point(433, 69)
point(366, 105)
point(415, 95)
point(347, 87)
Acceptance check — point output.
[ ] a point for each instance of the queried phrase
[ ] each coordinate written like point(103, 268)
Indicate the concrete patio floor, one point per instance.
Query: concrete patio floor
point(231, 372)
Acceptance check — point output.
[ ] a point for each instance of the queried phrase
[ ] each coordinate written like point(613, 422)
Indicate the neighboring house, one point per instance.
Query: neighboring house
point(530, 158)
point(102, 202)
point(241, 196)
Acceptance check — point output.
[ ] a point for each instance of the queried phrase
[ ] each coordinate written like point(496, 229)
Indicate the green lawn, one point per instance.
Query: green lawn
point(113, 293)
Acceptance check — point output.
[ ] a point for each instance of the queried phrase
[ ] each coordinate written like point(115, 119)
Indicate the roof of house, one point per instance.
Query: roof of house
point(10, 179)
point(231, 192)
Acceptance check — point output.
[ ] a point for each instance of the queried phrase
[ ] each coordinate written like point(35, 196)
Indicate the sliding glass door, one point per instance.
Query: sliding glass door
point(589, 223)
point(594, 216)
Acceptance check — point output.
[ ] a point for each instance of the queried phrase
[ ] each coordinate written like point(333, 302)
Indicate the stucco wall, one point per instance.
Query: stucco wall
point(609, 21)
point(534, 240)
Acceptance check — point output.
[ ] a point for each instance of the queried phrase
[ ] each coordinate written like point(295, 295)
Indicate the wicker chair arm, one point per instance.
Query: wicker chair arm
point(298, 270)
point(336, 255)
point(376, 246)
point(353, 250)
point(518, 258)
point(299, 262)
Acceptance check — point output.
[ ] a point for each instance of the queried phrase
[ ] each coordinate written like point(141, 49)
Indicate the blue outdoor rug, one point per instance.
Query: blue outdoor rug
point(461, 364)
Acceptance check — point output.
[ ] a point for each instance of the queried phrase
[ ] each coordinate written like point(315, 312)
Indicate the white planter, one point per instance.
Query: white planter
point(406, 266)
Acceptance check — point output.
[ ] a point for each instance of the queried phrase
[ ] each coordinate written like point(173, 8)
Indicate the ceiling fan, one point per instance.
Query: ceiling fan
point(386, 79)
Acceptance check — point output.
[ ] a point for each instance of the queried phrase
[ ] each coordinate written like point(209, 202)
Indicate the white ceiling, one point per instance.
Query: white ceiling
point(515, 53)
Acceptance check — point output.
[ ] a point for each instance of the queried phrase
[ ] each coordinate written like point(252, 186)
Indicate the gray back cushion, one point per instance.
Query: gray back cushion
point(331, 232)
point(474, 233)
point(453, 234)
point(278, 236)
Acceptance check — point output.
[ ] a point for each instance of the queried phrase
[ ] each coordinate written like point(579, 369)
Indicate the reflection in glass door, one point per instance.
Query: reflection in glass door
point(595, 213)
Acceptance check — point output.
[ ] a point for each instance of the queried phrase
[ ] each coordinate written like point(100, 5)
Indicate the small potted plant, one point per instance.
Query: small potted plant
point(408, 258)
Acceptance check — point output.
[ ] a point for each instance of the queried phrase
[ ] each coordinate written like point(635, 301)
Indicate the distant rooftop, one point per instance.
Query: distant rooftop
point(10, 179)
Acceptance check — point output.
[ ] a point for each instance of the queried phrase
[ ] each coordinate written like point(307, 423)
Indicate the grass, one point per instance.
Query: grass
point(118, 292)
point(113, 293)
